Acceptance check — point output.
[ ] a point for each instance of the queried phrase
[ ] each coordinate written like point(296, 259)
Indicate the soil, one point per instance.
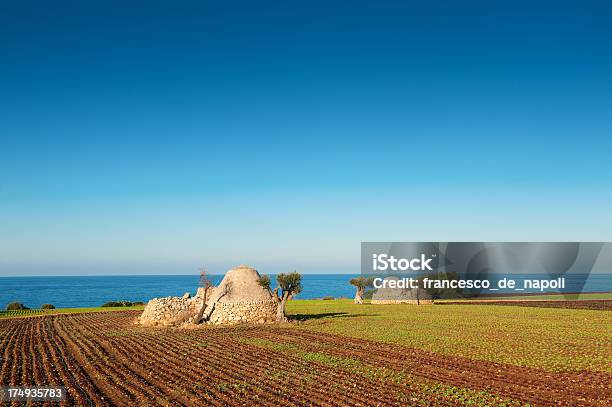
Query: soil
point(104, 360)
point(603, 305)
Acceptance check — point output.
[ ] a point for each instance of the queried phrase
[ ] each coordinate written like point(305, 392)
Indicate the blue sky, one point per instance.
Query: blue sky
point(154, 138)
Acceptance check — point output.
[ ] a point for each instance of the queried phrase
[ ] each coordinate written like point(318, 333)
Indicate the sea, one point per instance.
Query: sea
point(93, 291)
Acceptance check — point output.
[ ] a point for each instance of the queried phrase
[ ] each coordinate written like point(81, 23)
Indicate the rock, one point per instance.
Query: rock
point(238, 299)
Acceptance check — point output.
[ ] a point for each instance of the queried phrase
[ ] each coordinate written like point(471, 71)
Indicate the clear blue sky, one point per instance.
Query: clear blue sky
point(154, 138)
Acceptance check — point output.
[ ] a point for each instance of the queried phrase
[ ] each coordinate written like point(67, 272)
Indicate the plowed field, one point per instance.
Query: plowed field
point(103, 359)
point(604, 305)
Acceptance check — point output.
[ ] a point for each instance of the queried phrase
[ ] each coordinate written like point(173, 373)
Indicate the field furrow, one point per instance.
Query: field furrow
point(103, 359)
point(531, 385)
point(121, 386)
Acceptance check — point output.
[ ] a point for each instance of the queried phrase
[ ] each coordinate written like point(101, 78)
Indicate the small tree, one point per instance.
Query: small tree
point(206, 283)
point(289, 285)
point(16, 306)
point(361, 283)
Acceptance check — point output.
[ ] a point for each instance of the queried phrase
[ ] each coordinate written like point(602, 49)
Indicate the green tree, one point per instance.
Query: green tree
point(16, 306)
point(361, 283)
point(265, 282)
point(289, 285)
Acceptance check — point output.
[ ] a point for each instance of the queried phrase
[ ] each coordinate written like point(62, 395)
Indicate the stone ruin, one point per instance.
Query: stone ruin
point(237, 299)
point(400, 295)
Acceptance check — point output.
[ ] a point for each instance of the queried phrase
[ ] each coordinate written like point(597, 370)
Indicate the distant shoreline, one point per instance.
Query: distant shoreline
point(196, 275)
point(539, 294)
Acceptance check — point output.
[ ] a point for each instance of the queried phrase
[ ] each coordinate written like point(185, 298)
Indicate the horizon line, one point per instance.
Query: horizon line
point(144, 275)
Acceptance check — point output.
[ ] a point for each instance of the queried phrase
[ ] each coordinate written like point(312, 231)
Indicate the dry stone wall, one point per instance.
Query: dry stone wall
point(261, 311)
point(175, 311)
point(170, 311)
point(239, 298)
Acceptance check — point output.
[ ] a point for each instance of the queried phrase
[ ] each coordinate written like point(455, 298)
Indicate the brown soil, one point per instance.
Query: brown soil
point(603, 305)
point(531, 385)
point(105, 360)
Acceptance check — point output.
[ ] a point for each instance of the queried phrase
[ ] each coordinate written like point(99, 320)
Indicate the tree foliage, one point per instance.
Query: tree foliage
point(265, 282)
point(290, 283)
point(15, 306)
point(362, 282)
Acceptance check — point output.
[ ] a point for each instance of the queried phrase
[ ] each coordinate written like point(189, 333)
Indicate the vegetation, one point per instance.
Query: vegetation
point(584, 296)
point(47, 306)
point(265, 282)
point(121, 304)
point(206, 283)
point(553, 339)
point(20, 313)
point(289, 285)
point(428, 390)
point(16, 306)
point(361, 283)
point(368, 294)
point(35, 312)
point(367, 354)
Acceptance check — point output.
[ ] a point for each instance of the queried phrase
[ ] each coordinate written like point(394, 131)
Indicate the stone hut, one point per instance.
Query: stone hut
point(387, 295)
point(242, 299)
point(237, 299)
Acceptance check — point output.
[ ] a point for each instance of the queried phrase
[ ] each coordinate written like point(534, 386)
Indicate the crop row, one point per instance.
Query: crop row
point(602, 305)
point(237, 368)
point(103, 359)
point(521, 383)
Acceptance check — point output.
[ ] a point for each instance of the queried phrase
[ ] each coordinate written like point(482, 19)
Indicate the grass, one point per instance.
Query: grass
point(37, 312)
point(551, 339)
point(418, 385)
point(548, 338)
point(585, 296)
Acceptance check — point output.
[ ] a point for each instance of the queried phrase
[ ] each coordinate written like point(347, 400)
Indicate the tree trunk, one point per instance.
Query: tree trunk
point(359, 295)
point(201, 311)
point(280, 310)
point(207, 308)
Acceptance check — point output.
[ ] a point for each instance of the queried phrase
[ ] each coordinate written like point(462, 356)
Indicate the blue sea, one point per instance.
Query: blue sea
point(93, 291)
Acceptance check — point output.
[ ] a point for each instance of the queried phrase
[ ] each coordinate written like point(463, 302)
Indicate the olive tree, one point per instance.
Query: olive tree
point(289, 285)
point(206, 283)
point(361, 283)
